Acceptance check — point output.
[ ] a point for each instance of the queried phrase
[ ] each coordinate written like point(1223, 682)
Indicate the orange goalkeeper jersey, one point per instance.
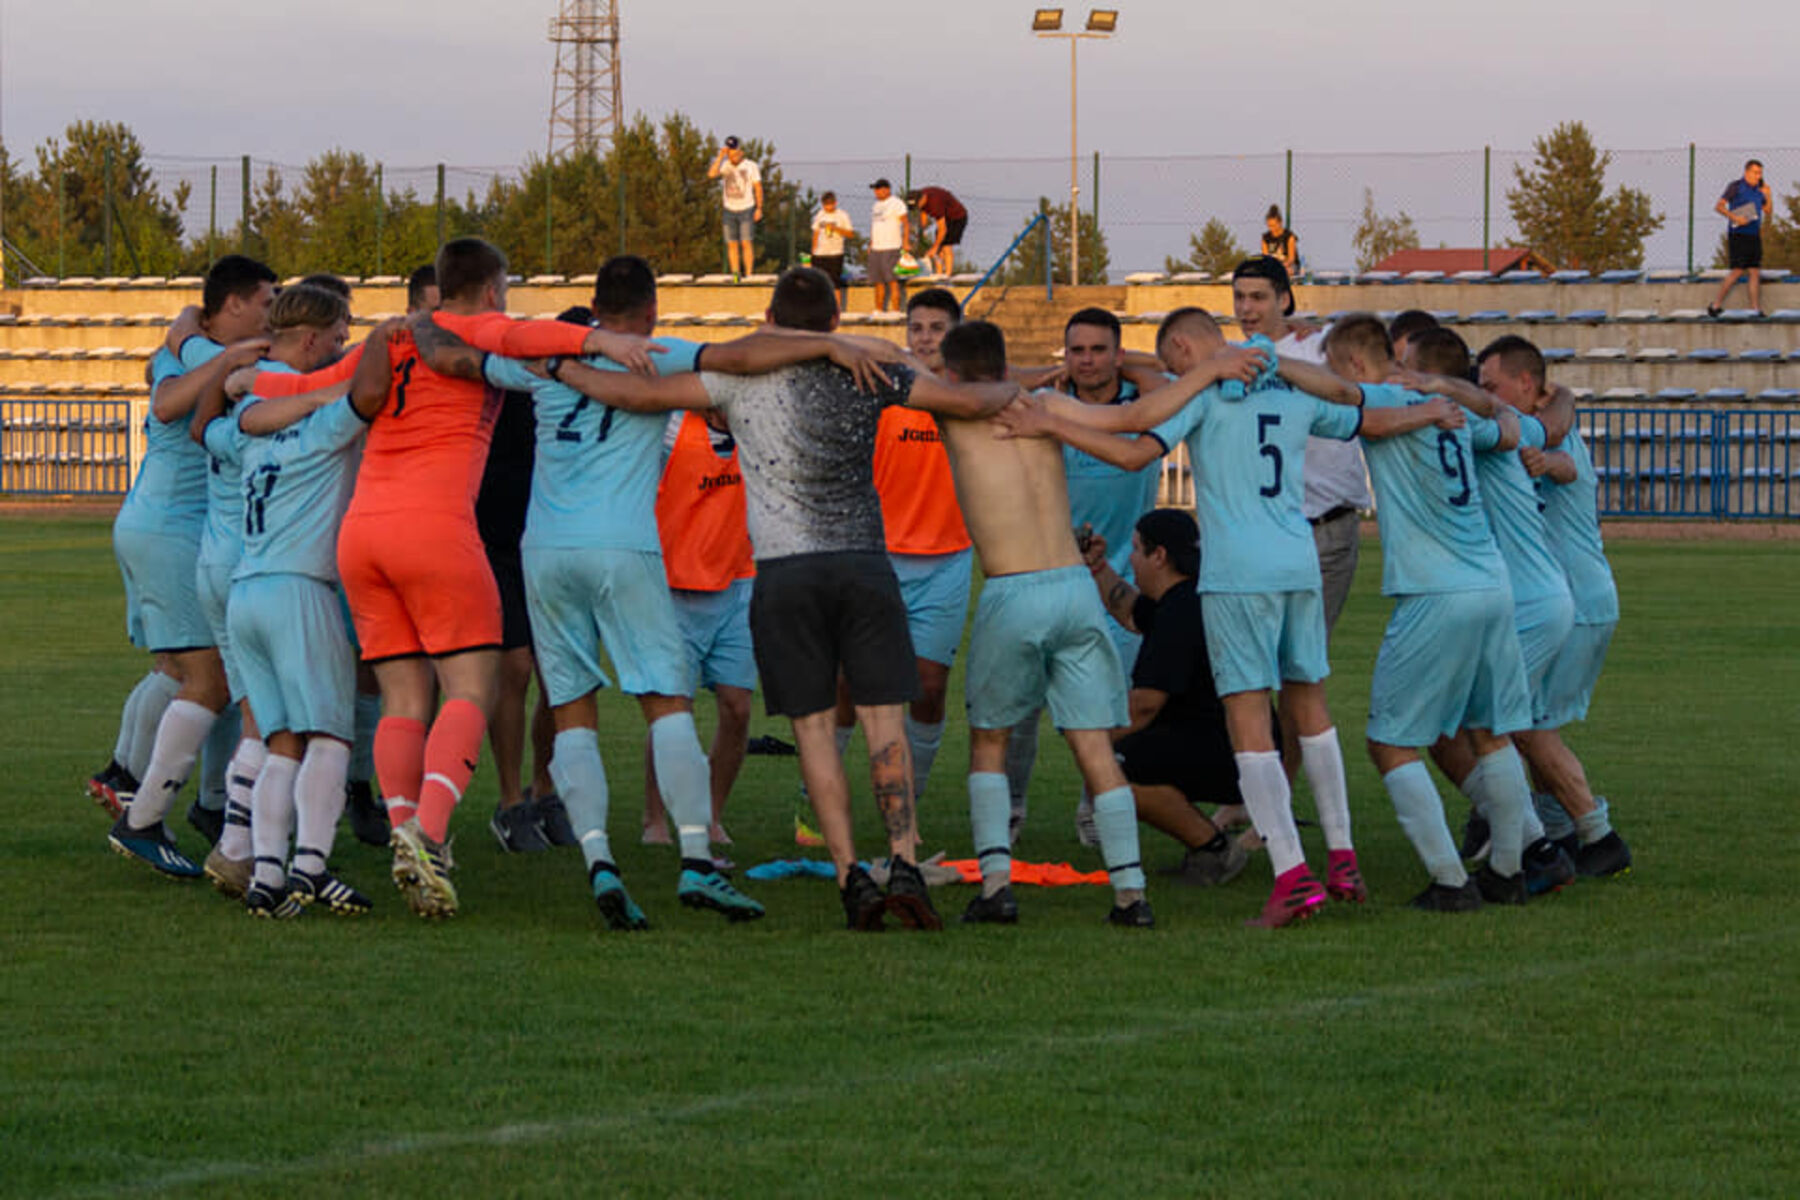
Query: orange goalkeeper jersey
point(918, 494)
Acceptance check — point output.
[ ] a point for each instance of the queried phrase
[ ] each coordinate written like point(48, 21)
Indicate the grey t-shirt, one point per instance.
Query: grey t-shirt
point(806, 443)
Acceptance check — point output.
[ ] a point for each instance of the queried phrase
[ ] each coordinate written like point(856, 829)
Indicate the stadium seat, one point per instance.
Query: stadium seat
point(759, 280)
point(194, 281)
point(1687, 314)
point(721, 317)
point(679, 318)
point(1473, 276)
point(1378, 277)
point(1557, 354)
point(716, 279)
point(1666, 275)
point(1521, 276)
point(1617, 275)
point(675, 278)
point(1724, 395)
point(966, 278)
point(1639, 315)
point(1488, 316)
point(587, 280)
point(1143, 278)
point(887, 318)
point(1570, 276)
point(1153, 317)
point(1777, 275)
point(854, 318)
point(1423, 276)
point(1593, 316)
point(1761, 355)
point(1582, 393)
point(1657, 354)
point(1191, 277)
point(1329, 278)
point(1675, 395)
point(1779, 395)
point(380, 281)
point(1538, 315)
point(546, 280)
point(1785, 314)
point(1713, 274)
point(1709, 354)
point(1606, 354)
point(1623, 393)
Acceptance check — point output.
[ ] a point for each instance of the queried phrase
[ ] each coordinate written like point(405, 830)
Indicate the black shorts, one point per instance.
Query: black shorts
point(1198, 763)
point(832, 265)
point(515, 620)
point(1743, 251)
point(953, 230)
point(812, 614)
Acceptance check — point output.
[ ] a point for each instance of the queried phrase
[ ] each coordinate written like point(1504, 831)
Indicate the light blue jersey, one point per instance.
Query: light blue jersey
point(1511, 503)
point(1249, 457)
point(597, 468)
point(223, 540)
point(1109, 498)
point(297, 484)
point(169, 494)
point(1572, 517)
point(1434, 536)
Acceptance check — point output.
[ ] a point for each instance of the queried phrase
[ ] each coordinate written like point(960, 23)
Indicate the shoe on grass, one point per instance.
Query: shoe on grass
point(153, 846)
point(1605, 858)
point(230, 877)
point(909, 898)
point(1441, 897)
point(1001, 908)
point(518, 829)
point(616, 906)
point(864, 905)
point(1201, 867)
point(710, 889)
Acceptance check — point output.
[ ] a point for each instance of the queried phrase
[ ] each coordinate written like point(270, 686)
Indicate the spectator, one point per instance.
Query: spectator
point(888, 231)
point(949, 217)
point(830, 227)
point(741, 184)
point(1280, 242)
point(1743, 204)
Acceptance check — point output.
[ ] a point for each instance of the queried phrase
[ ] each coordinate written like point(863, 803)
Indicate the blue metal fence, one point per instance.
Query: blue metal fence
point(52, 447)
point(1716, 464)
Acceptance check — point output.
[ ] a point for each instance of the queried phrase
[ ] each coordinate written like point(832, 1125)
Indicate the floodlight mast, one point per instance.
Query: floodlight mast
point(586, 93)
point(1101, 23)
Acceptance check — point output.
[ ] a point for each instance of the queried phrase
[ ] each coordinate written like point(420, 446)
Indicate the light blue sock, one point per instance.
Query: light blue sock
point(1115, 817)
point(1497, 786)
point(128, 718)
point(1534, 826)
point(1595, 825)
point(153, 695)
point(925, 739)
point(581, 780)
point(215, 757)
point(1421, 813)
point(362, 743)
point(990, 809)
point(1556, 821)
point(686, 781)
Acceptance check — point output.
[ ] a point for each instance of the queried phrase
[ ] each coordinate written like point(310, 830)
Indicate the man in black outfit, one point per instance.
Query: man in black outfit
point(1176, 751)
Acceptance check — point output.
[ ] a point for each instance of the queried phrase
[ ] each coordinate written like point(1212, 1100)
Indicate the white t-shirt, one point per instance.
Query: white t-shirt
point(887, 224)
point(739, 180)
point(1335, 472)
point(829, 230)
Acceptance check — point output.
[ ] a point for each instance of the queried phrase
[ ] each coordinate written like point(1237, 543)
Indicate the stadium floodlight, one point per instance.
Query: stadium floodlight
point(1101, 23)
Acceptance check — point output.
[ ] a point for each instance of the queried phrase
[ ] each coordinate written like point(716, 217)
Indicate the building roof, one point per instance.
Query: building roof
point(1450, 261)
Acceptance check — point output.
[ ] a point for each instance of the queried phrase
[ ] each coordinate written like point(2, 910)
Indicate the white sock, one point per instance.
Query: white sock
point(272, 818)
point(1264, 787)
point(183, 728)
point(1421, 813)
point(1498, 787)
point(685, 777)
point(152, 694)
point(240, 780)
point(1323, 760)
point(925, 738)
point(319, 799)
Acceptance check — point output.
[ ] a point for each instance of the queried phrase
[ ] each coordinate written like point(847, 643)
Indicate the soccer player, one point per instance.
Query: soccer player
point(1568, 489)
point(701, 521)
point(422, 595)
point(1102, 498)
point(286, 620)
point(825, 596)
point(308, 331)
point(1039, 638)
point(1437, 360)
point(157, 538)
point(1259, 577)
point(1450, 659)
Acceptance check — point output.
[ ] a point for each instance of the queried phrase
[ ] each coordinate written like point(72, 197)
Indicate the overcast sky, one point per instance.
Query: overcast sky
point(468, 81)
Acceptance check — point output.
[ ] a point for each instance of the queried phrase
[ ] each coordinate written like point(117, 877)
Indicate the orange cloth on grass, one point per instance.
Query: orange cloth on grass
point(1040, 874)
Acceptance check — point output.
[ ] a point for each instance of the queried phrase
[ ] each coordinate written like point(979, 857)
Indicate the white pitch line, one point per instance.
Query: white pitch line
point(1025, 1050)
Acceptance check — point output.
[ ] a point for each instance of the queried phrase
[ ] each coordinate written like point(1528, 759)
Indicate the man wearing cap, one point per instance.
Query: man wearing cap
point(888, 230)
point(1337, 486)
point(741, 182)
point(949, 217)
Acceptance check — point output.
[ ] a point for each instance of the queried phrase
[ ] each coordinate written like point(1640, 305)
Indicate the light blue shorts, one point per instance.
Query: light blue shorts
point(212, 584)
point(162, 609)
point(349, 622)
point(716, 627)
point(299, 671)
point(1125, 643)
point(936, 590)
point(1543, 626)
point(1569, 688)
point(583, 598)
point(1448, 661)
point(1041, 636)
point(1258, 639)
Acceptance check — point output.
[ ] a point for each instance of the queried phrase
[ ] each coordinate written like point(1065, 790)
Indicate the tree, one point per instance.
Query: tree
point(1564, 213)
point(1027, 264)
point(1377, 236)
point(1214, 249)
point(58, 214)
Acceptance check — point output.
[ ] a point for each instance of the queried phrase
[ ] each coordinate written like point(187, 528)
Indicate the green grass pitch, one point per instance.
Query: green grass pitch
point(1638, 1036)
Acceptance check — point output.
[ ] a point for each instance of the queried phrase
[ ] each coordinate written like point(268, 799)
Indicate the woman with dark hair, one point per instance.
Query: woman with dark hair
point(1279, 242)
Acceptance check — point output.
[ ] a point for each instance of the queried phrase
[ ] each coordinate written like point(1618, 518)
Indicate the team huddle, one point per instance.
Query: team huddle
point(331, 607)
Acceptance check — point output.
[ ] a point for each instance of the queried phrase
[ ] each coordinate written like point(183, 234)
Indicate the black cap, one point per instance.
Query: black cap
point(881, 183)
point(731, 143)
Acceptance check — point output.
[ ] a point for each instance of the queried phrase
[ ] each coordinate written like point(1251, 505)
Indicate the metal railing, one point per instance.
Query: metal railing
point(1040, 222)
point(65, 447)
